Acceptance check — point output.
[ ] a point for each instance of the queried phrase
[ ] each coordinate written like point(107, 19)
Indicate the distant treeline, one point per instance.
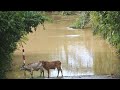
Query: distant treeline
point(63, 12)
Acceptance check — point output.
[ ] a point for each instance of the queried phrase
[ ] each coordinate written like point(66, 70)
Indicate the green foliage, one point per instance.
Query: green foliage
point(107, 24)
point(13, 26)
point(82, 20)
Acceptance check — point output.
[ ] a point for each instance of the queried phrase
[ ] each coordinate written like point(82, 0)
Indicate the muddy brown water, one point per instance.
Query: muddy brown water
point(80, 52)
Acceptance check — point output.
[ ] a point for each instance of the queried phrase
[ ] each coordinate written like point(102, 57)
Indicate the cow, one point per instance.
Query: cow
point(52, 65)
point(33, 67)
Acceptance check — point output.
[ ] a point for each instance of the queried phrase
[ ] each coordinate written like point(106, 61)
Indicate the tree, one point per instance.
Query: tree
point(13, 26)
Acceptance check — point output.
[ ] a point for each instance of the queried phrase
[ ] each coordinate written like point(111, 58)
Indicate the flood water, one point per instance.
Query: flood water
point(80, 52)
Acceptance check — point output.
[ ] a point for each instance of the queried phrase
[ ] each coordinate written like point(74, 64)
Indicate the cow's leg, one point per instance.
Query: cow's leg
point(58, 72)
point(31, 74)
point(59, 69)
point(25, 73)
point(48, 73)
point(61, 72)
point(43, 73)
point(40, 73)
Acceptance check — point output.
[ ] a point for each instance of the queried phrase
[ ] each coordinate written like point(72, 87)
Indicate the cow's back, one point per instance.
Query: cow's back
point(52, 64)
point(35, 66)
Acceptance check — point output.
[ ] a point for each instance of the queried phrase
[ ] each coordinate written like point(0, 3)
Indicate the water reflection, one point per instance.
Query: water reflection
point(68, 28)
point(79, 60)
point(72, 36)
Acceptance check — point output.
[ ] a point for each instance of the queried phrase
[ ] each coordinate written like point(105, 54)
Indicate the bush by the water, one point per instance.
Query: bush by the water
point(82, 20)
point(13, 26)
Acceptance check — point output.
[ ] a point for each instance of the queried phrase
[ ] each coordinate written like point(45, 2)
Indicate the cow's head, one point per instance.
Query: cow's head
point(42, 63)
point(22, 67)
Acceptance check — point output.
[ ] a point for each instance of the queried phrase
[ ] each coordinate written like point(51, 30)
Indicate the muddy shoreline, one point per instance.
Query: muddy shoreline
point(83, 77)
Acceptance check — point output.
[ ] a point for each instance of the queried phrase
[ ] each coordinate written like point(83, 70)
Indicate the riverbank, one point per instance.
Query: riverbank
point(84, 77)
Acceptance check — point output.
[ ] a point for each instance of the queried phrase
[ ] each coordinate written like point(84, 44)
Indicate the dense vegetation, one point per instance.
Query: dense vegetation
point(104, 23)
point(13, 26)
point(83, 19)
point(107, 24)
